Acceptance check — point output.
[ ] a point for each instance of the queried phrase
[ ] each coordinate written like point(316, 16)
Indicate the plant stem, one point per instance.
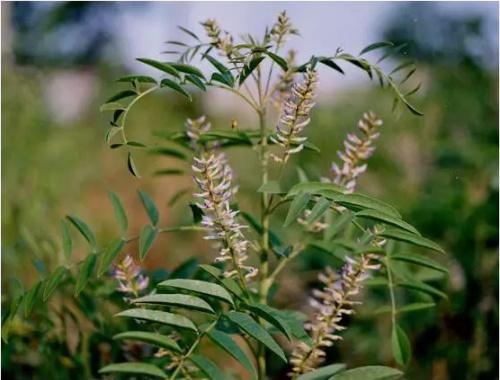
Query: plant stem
point(391, 291)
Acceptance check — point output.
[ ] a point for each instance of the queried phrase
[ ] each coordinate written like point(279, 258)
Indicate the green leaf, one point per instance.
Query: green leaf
point(376, 45)
point(31, 298)
point(168, 151)
point(170, 171)
point(295, 321)
point(161, 317)
point(415, 307)
point(402, 66)
point(369, 373)
point(109, 255)
point(110, 133)
point(415, 258)
point(271, 187)
point(421, 287)
point(207, 366)
point(316, 188)
point(218, 65)
point(86, 270)
point(178, 300)
point(233, 136)
point(340, 222)
point(121, 95)
point(330, 63)
point(318, 210)
point(411, 239)
point(119, 211)
point(83, 228)
point(150, 207)
point(134, 368)
point(227, 343)
point(176, 87)
point(146, 240)
point(113, 106)
point(197, 286)
point(155, 339)
point(131, 166)
point(136, 144)
point(228, 283)
point(322, 372)
point(272, 316)
point(66, 240)
point(187, 31)
point(53, 281)
point(298, 205)
point(281, 62)
point(401, 348)
point(196, 81)
point(249, 68)
point(188, 69)
point(196, 212)
point(379, 216)
point(357, 201)
point(252, 328)
point(225, 78)
point(137, 78)
point(165, 67)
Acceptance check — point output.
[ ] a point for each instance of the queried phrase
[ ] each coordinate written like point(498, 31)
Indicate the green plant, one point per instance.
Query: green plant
point(360, 234)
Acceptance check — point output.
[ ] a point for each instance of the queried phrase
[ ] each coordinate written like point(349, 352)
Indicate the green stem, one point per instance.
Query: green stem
point(391, 291)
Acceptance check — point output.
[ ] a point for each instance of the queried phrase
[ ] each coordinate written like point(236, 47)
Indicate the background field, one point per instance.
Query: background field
point(59, 62)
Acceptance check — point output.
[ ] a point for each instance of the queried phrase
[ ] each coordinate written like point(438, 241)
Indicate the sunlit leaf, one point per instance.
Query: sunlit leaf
point(165, 67)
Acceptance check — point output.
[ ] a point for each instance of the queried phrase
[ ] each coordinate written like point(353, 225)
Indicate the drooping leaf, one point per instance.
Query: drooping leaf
point(196, 81)
point(218, 65)
point(298, 205)
point(318, 210)
point(411, 239)
point(197, 286)
point(227, 343)
point(86, 271)
point(188, 69)
point(369, 373)
point(120, 214)
point(271, 187)
point(150, 207)
point(387, 219)
point(161, 317)
point(109, 255)
point(207, 366)
point(146, 240)
point(131, 166)
point(31, 298)
point(281, 62)
point(224, 78)
point(137, 78)
point(330, 63)
point(165, 67)
point(66, 240)
point(421, 287)
point(83, 228)
point(135, 368)
point(376, 45)
point(155, 339)
point(187, 31)
point(272, 316)
point(177, 300)
point(401, 348)
point(322, 372)
point(252, 328)
point(176, 87)
point(53, 281)
point(421, 260)
point(121, 95)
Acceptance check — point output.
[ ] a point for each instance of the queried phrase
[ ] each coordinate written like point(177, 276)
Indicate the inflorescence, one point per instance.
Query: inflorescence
point(131, 281)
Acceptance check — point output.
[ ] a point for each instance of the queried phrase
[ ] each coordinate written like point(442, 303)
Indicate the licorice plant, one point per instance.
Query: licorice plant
point(233, 296)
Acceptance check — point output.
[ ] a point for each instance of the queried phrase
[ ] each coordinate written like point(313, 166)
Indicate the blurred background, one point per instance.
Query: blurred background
point(60, 62)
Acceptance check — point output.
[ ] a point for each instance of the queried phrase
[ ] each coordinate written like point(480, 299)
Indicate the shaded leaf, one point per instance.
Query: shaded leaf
point(155, 339)
point(218, 275)
point(357, 201)
point(227, 343)
point(421, 260)
point(146, 240)
point(272, 316)
point(119, 211)
point(369, 373)
point(176, 87)
point(121, 95)
point(318, 210)
point(249, 68)
point(150, 207)
point(207, 366)
point(387, 219)
point(83, 228)
point(298, 205)
point(316, 188)
point(168, 151)
point(137, 78)
point(109, 255)
point(53, 281)
point(31, 297)
point(422, 287)
point(131, 166)
point(376, 45)
point(271, 187)
point(411, 239)
point(196, 212)
point(188, 69)
point(86, 271)
point(134, 368)
point(66, 240)
point(322, 372)
point(330, 63)
point(401, 348)
point(281, 62)
point(196, 81)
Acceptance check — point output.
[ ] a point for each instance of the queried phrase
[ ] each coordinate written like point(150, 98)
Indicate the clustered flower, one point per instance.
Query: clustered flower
point(195, 128)
point(214, 177)
point(222, 41)
point(282, 28)
point(336, 299)
point(130, 280)
point(295, 116)
point(356, 150)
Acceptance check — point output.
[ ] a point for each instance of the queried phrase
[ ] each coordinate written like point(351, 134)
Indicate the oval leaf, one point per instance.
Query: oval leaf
point(197, 286)
point(252, 328)
point(161, 317)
